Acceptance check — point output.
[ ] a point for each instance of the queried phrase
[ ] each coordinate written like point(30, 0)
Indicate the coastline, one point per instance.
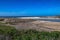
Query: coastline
point(36, 24)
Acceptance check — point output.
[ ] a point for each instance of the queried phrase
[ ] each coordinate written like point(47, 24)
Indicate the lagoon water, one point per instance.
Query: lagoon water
point(52, 20)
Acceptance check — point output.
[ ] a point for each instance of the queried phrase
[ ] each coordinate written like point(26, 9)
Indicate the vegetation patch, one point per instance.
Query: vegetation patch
point(28, 34)
point(1, 19)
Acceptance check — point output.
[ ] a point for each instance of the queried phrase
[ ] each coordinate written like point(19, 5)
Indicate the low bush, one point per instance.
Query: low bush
point(1, 19)
point(28, 34)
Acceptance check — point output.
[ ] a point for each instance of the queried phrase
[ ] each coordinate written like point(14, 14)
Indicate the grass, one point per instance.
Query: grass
point(36, 35)
point(28, 34)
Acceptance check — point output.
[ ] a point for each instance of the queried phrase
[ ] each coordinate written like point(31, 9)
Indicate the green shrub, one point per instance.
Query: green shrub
point(28, 34)
point(1, 19)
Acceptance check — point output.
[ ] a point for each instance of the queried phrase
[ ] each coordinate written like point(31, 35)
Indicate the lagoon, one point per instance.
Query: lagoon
point(52, 20)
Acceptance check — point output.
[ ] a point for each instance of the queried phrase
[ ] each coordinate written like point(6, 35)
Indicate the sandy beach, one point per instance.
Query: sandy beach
point(38, 25)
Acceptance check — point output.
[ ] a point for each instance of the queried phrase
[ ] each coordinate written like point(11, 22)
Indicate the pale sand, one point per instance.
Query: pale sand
point(48, 24)
point(39, 25)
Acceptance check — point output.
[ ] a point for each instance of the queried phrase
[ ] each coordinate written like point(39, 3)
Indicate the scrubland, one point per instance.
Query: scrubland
point(31, 30)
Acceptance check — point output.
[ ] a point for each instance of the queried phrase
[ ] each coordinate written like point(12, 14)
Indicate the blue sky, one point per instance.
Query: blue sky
point(29, 7)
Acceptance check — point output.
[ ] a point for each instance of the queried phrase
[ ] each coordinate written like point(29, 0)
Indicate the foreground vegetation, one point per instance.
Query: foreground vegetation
point(28, 34)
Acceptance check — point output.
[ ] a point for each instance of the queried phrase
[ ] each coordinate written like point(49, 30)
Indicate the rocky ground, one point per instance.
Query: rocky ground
point(38, 25)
